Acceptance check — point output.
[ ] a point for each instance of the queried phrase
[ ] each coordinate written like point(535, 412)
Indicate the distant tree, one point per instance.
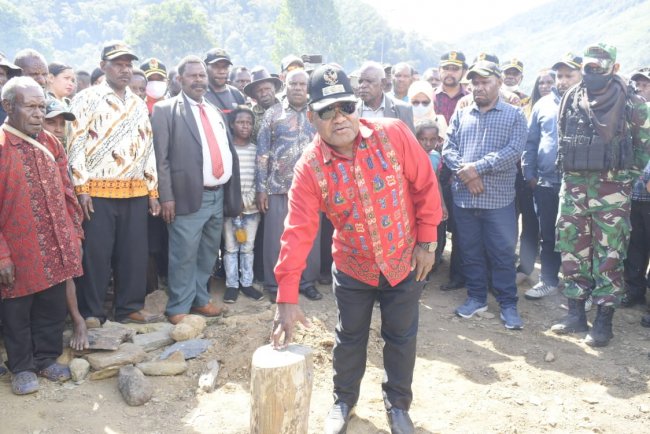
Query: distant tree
point(16, 33)
point(170, 30)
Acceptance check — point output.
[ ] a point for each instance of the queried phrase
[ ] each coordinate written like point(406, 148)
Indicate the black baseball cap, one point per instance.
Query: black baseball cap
point(153, 66)
point(486, 57)
point(453, 58)
point(215, 55)
point(329, 84)
point(116, 49)
point(570, 60)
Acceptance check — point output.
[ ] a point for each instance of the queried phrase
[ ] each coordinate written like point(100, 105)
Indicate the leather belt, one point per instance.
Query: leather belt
point(211, 188)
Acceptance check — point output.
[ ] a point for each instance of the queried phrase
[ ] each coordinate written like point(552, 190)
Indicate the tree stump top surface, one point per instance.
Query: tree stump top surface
point(265, 357)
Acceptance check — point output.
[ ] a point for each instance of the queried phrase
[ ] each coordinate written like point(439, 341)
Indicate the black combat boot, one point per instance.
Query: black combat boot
point(575, 321)
point(601, 332)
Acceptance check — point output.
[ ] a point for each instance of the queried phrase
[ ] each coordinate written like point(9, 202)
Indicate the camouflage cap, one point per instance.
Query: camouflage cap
point(570, 60)
point(484, 68)
point(602, 54)
point(641, 73)
point(483, 56)
point(513, 63)
point(54, 108)
point(453, 58)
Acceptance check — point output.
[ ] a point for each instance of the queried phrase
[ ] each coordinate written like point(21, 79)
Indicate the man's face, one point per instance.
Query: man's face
point(567, 77)
point(297, 88)
point(545, 84)
point(371, 85)
point(27, 112)
point(512, 77)
point(264, 93)
point(243, 125)
point(433, 77)
point(340, 131)
point(138, 85)
point(118, 72)
point(37, 69)
point(450, 75)
point(218, 73)
point(4, 76)
point(194, 81)
point(242, 78)
point(643, 87)
point(402, 80)
point(56, 126)
point(485, 89)
point(156, 77)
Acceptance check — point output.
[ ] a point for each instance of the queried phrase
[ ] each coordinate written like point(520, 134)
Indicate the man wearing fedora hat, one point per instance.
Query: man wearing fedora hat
point(262, 89)
point(376, 185)
point(7, 71)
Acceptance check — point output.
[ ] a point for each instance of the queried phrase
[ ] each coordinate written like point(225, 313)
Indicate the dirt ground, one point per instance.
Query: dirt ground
point(470, 376)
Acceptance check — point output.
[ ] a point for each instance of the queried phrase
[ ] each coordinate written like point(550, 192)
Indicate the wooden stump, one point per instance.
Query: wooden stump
point(281, 384)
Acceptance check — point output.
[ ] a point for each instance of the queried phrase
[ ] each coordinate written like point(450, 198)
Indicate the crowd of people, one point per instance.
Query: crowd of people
point(137, 174)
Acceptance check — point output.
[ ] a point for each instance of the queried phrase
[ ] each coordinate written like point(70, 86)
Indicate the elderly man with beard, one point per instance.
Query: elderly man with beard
point(40, 238)
point(601, 153)
point(199, 184)
point(484, 144)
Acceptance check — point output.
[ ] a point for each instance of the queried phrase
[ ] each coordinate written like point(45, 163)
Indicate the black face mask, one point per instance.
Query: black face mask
point(596, 82)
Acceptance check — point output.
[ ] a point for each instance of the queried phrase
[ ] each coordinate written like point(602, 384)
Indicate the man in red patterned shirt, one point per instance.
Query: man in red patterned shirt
point(40, 238)
point(377, 187)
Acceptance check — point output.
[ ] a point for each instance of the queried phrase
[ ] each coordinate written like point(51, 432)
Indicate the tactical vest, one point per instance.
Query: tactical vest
point(580, 148)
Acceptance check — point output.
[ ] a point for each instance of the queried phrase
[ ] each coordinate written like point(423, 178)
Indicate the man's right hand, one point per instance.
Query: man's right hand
point(168, 211)
point(475, 186)
point(262, 202)
point(286, 316)
point(7, 275)
point(86, 203)
point(532, 183)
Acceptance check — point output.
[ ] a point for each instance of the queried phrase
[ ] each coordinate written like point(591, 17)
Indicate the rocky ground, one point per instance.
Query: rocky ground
point(470, 376)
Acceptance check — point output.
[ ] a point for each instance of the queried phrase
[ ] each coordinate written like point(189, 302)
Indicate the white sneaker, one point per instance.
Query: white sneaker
point(539, 291)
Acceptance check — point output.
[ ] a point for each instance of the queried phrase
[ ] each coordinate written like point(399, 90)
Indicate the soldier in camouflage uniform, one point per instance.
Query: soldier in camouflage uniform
point(600, 153)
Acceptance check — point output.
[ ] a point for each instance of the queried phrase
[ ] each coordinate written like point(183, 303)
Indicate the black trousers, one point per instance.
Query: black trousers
point(399, 307)
point(638, 251)
point(33, 329)
point(326, 234)
point(115, 237)
point(258, 251)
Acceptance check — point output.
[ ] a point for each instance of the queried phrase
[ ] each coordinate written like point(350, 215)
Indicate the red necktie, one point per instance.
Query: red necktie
point(213, 146)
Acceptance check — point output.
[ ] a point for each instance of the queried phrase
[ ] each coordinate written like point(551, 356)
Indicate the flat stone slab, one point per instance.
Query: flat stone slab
point(190, 349)
point(128, 353)
point(154, 340)
point(173, 365)
point(149, 328)
point(108, 338)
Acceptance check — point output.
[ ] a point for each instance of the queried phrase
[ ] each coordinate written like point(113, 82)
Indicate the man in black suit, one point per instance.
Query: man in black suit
point(374, 102)
point(198, 184)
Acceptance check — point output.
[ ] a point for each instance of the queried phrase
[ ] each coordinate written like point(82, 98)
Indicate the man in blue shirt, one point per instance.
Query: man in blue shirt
point(484, 144)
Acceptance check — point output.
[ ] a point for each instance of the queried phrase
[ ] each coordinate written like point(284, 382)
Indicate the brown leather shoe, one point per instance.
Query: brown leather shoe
point(141, 317)
point(175, 319)
point(209, 310)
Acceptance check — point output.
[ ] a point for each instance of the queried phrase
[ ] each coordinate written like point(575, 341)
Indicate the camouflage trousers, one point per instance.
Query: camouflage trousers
point(593, 231)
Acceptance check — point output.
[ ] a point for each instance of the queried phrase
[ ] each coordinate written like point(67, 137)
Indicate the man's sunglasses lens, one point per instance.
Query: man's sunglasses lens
point(329, 112)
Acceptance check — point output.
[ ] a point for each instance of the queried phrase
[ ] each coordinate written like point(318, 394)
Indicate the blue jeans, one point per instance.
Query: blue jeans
point(244, 250)
point(547, 200)
point(491, 232)
point(194, 241)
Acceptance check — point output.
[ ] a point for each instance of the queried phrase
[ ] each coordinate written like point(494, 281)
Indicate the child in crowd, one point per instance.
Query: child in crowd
point(427, 132)
point(56, 115)
point(239, 232)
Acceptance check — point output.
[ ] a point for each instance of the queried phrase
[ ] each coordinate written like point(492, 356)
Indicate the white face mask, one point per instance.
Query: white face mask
point(156, 89)
point(512, 89)
point(421, 111)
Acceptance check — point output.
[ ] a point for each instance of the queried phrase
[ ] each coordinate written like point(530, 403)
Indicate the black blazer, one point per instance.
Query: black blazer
point(179, 158)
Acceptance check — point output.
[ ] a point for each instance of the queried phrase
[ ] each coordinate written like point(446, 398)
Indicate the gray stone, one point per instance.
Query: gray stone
point(104, 373)
point(154, 340)
point(549, 357)
point(173, 365)
point(190, 349)
point(134, 386)
point(128, 353)
point(79, 369)
point(156, 302)
point(150, 328)
point(208, 380)
point(184, 332)
point(108, 338)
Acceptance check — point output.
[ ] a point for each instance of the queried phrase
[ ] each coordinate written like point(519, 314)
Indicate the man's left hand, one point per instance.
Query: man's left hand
point(422, 261)
point(467, 173)
point(154, 207)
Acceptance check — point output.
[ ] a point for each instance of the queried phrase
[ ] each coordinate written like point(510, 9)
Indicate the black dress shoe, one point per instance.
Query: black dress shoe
point(629, 300)
point(337, 419)
point(311, 293)
point(399, 421)
point(451, 285)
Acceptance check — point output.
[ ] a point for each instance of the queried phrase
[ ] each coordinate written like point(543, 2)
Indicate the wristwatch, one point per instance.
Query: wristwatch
point(429, 247)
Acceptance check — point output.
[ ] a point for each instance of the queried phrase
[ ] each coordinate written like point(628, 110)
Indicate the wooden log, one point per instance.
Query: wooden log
point(281, 383)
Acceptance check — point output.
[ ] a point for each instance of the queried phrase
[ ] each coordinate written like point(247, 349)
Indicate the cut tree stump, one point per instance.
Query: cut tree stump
point(281, 383)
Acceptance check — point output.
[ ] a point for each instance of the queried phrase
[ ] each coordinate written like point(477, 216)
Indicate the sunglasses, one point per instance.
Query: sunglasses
point(593, 69)
point(423, 103)
point(347, 108)
point(451, 68)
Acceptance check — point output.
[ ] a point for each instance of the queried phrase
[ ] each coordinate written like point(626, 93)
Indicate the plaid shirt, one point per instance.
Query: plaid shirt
point(493, 141)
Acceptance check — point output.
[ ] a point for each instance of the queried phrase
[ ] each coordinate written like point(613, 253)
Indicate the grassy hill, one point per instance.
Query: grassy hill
point(544, 34)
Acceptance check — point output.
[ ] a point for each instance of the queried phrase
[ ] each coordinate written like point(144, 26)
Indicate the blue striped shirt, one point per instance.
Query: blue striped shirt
point(493, 141)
